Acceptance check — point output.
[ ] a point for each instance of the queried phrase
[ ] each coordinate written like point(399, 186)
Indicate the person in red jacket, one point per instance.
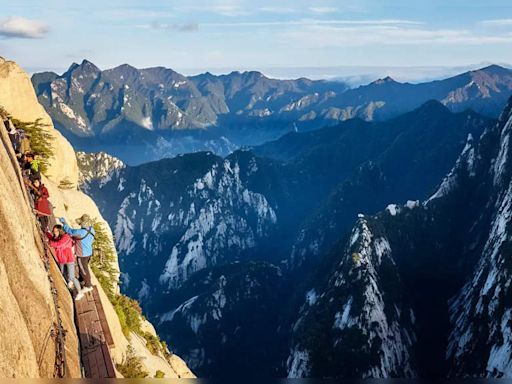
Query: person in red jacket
point(62, 243)
point(41, 204)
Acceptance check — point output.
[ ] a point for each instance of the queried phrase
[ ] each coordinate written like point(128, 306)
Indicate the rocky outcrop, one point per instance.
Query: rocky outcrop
point(357, 319)
point(17, 96)
point(98, 167)
point(447, 280)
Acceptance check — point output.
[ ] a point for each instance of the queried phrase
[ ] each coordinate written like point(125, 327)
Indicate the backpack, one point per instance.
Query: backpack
point(77, 242)
point(24, 145)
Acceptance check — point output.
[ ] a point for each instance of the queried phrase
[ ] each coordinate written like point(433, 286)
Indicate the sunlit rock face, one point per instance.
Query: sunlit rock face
point(17, 96)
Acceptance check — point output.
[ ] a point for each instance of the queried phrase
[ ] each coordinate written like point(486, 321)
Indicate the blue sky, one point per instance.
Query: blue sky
point(321, 37)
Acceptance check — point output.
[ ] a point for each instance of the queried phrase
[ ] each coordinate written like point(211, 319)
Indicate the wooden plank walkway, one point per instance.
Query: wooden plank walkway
point(94, 333)
point(95, 337)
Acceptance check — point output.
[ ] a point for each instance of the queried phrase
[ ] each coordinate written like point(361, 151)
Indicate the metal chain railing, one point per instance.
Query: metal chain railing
point(58, 332)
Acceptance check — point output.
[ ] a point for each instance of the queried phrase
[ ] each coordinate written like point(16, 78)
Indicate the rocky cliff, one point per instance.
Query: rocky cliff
point(18, 98)
point(432, 278)
point(26, 302)
point(177, 220)
point(25, 292)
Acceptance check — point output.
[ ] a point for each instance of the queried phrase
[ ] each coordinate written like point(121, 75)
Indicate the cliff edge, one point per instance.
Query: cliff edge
point(26, 301)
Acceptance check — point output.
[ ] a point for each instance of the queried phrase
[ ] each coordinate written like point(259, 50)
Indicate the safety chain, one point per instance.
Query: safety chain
point(58, 333)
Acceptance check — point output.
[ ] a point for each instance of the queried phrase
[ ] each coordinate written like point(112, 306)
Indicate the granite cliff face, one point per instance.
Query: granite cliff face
point(18, 98)
point(25, 293)
point(433, 279)
point(26, 303)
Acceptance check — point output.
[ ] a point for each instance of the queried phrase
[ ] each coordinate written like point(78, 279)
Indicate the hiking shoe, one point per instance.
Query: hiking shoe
point(87, 289)
point(70, 285)
point(80, 296)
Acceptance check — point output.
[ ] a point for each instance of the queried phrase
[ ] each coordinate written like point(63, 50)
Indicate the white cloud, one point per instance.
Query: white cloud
point(322, 10)
point(183, 27)
point(324, 36)
point(277, 10)
point(135, 13)
point(229, 9)
point(313, 22)
point(497, 22)
point(19, 27)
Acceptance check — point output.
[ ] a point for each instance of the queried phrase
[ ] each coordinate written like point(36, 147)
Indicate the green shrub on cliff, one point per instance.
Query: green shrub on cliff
point(102, 264)
point(103, 261)
point(131, 367)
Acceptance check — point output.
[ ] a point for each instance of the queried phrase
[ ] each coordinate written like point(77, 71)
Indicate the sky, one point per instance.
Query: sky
point(284, 38)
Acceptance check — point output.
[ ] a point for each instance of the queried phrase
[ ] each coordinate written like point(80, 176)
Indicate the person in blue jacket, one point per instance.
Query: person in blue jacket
point(84, 238)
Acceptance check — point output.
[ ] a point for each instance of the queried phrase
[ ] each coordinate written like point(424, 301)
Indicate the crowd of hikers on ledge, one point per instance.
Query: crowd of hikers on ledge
point(73, 247)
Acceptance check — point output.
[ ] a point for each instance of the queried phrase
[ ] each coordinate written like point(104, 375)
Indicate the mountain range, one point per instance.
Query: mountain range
point(141, 115)
point(212, 245)
point(422, 289)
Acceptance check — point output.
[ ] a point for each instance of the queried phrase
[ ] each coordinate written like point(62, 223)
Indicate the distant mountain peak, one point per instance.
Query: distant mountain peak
point(125, 68)
point(385, 80)
point(494, 68)
point(88, 66)
point(254, 73)
point(72, 67)
point(85, 66)
point(87, 63)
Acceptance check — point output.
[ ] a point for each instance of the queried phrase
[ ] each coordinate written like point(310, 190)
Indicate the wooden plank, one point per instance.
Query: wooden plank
point(109, 363)
point(101, 357)
point(94, 337)
point(93, 366)
point(85, 363)
point(90, 299)
point(103, 318)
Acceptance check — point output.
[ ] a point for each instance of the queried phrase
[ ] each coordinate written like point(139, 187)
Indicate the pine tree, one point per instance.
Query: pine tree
point(40, 140)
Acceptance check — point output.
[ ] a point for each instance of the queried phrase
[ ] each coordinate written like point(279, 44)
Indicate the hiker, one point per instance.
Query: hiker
point(62, 243)
point(19, 140)
point(20, 157)
point(14, 134)
point(84, 237)
point(24, 141)
point(31, 167)
point(41, 204)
